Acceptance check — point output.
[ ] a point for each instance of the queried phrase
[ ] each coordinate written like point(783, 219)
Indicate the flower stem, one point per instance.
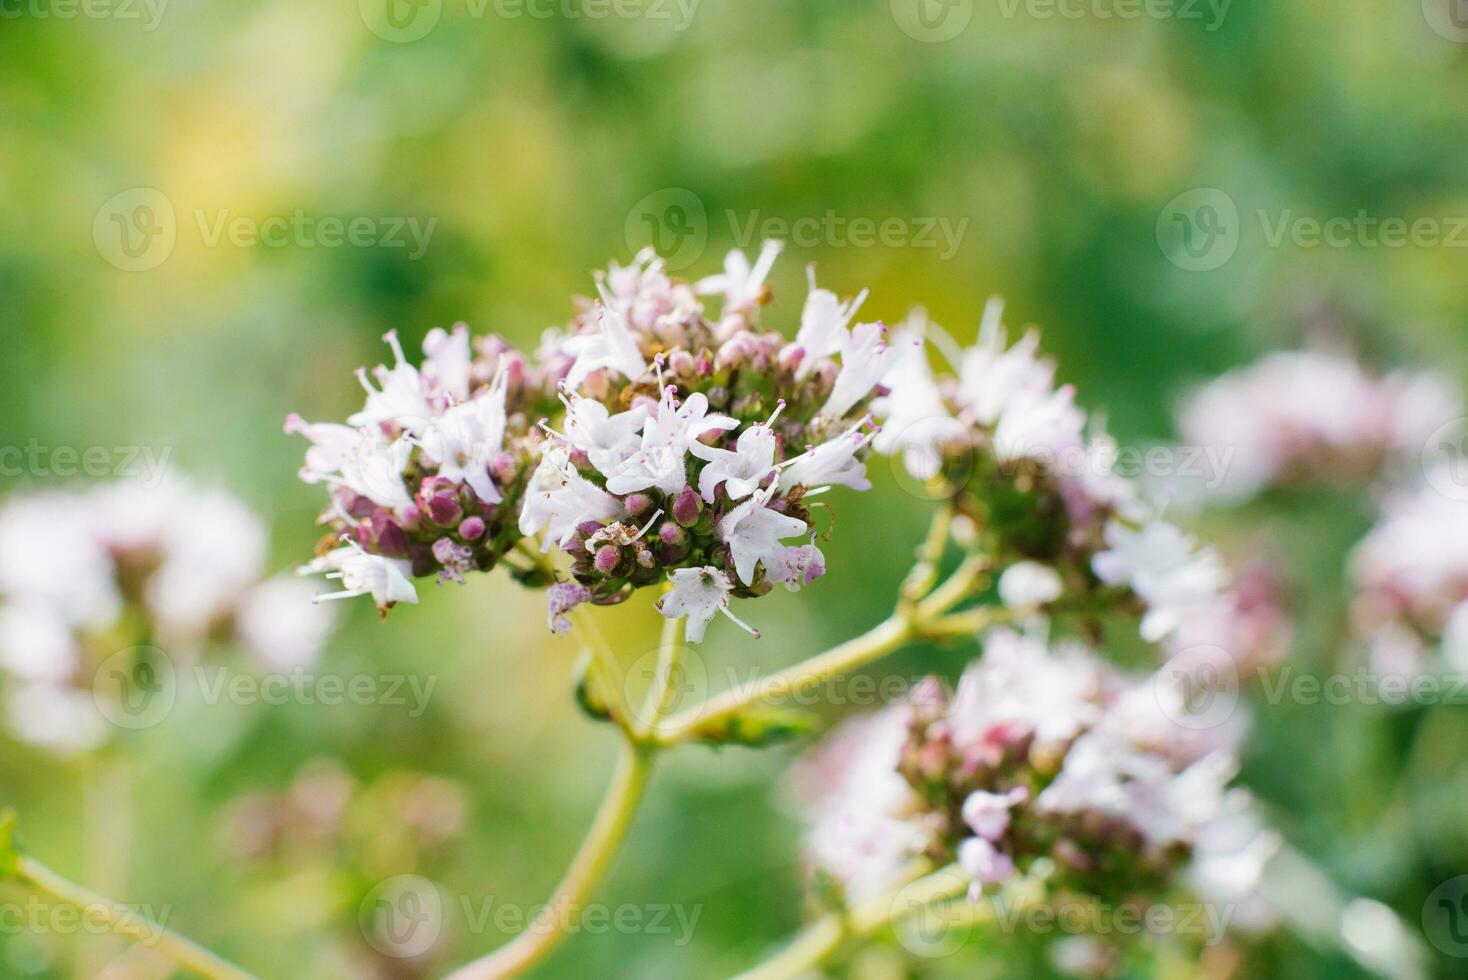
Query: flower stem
point(608, 830)
point(587, 869)
point(126, 922)
point(882, 639)
point(818, 941)
point(670, 663)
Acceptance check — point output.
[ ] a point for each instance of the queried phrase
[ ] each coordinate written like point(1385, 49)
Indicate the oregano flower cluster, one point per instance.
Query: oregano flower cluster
point(646, 442)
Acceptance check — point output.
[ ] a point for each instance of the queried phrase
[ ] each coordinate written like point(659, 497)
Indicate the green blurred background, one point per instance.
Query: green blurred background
point(541, 146)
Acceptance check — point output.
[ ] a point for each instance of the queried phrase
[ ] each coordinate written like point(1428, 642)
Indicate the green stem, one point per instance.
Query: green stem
point(592, 860)
point(882, 639)
point(125, 922)
point(818, 941)
point(670, 662)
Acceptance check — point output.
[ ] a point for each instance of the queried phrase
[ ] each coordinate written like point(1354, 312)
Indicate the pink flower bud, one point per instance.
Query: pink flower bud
point(607, 557)
point(687, 507)
point(444, 509)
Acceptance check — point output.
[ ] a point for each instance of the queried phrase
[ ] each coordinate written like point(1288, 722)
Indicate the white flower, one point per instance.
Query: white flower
point(606, 439)
point(740, 470)
point(612, 347)
point(856, 804)
point(1315, 408)
point(1027, 585)
point(558, 499)
point(865, 360)
point(213, 550)
point(991, 376)
point(331, 446)
point(988, 813)
point(402, 399)
point(1230, 854)
point(832, 463)
point(823, 325)
point(914, 418)
point(465, 439)
point(281, 624)
point(1166, 568)
point(740, 284)
point(796, 565)
point(447, 362)
point(50, 553)
point(699, 594)
point(375, 470)
point(385, 579)
point(1039, 425)
point(62, 719)
point(984, 862)
point(36, 642)
point(662, 461)
point(1417, 555)
point(753, 532)
point(1019, 683)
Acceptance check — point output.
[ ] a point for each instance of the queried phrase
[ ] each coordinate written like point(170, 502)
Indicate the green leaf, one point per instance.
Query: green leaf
point(759, 727)
point(591, 688)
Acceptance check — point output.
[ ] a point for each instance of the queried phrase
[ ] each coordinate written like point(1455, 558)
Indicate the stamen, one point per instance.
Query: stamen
point(739, 622)
point(397, 348)
point(362, 378)
point(651, 521)
point(545, 426)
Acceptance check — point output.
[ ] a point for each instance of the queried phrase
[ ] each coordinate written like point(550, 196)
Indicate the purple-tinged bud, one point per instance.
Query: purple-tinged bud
point(1069, 854)
point(687, 507)
point(673, 543)
point(791, 355)
point(411, 518)
point(929, 701)
point(444, 509)
point(503, 468)
point(391, 541)
point(638, 504)
point(933, 760)
point(681, 362)
point(607, 557)
point(472, 529)
point(705, 365)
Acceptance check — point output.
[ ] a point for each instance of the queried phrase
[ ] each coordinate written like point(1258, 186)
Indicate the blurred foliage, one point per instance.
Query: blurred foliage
point(531, 143)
